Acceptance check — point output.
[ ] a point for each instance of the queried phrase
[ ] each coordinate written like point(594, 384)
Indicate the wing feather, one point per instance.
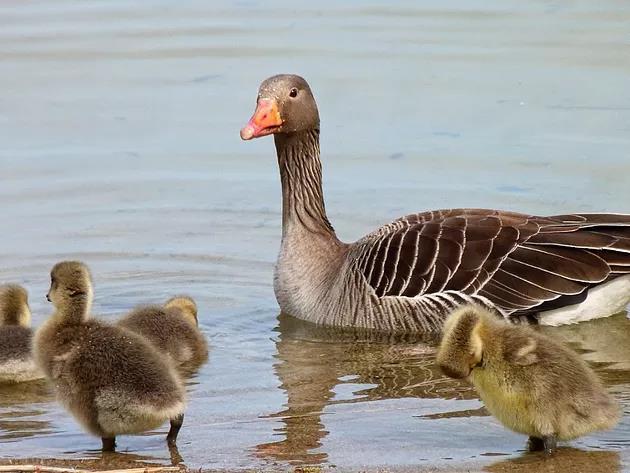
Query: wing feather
point(518, 262)
point(581, 266)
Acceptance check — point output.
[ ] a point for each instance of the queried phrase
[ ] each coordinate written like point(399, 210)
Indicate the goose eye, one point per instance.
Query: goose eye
point(293, 93)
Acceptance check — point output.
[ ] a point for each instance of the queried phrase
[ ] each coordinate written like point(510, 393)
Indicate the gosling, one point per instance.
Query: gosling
point(16, 359)
point(533, 384)
point(173, 329)
point(110, 379)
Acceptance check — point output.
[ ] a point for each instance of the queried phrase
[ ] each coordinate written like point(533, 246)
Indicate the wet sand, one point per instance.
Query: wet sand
point(119, 146)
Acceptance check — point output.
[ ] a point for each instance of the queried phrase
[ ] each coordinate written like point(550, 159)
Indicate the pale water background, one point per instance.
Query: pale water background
point(119, 146)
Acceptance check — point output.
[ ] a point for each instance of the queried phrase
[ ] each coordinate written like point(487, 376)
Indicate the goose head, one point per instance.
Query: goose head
point(285, 104)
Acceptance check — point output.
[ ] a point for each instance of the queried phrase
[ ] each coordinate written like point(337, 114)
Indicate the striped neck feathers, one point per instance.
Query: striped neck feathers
point(301, 176)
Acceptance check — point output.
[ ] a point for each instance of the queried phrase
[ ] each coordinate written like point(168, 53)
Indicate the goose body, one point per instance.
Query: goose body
point(16, 359)
point(110, 379)
point(533, 384)
point(409, 274)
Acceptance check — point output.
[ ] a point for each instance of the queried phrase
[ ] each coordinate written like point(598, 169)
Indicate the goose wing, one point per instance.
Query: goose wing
point(517, 261)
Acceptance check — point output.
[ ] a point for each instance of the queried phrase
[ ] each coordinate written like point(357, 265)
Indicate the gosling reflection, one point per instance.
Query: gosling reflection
point(564, 459)
point(97, 460)
point(22, 407)
point(313, 361)
point(175, 456)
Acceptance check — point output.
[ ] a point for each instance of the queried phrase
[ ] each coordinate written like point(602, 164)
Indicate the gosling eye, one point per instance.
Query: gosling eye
point(293, 92)
point(479, 364)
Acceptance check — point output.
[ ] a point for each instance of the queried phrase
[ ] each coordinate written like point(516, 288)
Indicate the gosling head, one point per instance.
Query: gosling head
point(461, 348)
point(185, 306)
point(14, 308)
point(70, 283)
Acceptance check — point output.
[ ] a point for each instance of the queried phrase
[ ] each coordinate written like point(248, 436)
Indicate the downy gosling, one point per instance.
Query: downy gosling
point(16, 359)
point(110, 379)
point(533, 384)
point(173, 329)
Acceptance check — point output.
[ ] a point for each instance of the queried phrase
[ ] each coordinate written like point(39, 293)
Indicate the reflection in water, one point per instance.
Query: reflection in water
point(313, 363)
point(176, 457)
point(110, 155)
point(564, 459)
point(603, 342)
point(98, 460)
point(21, 409)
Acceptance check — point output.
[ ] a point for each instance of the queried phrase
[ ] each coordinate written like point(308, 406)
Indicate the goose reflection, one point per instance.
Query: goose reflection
point(313, 364)
point(605, 343)
point(320, 367)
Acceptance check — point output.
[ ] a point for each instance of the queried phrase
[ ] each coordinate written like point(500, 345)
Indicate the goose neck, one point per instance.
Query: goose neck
point(301, 176)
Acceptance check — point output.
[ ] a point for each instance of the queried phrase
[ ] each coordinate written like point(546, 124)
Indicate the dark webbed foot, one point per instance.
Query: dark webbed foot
point(176, 424)
point(538, 444)
point(535, 444)
point(109, 444)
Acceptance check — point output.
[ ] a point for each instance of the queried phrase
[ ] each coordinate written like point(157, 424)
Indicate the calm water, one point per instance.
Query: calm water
point(119, 145)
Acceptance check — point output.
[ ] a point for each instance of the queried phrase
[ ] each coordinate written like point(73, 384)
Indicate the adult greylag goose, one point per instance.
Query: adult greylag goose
point(409, 274)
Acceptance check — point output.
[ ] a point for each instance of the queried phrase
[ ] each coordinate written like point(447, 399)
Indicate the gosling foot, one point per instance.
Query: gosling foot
point(538, 444)
point(109, 444)
point(176, 424)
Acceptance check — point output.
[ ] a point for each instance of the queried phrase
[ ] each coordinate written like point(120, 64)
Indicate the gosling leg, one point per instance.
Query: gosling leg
point(538, 444)
point(549, 442)
point(176, 424)
point(109, 444)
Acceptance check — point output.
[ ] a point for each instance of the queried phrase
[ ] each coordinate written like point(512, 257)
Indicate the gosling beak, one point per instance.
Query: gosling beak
point(455, 371)
point(265, 121)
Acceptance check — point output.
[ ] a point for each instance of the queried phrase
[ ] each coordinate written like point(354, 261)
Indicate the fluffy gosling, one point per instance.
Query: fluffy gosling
point(110, 379)
point(16, 359)
point(172, 329)
point(533, 384)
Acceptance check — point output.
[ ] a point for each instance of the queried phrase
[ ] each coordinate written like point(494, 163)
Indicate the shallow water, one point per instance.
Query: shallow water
point(119, 146)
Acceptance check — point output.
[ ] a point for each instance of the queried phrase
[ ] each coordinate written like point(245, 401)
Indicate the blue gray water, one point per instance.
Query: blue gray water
point(119, 146)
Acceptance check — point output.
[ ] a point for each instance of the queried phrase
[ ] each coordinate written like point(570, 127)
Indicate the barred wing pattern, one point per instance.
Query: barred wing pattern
point(520, 263)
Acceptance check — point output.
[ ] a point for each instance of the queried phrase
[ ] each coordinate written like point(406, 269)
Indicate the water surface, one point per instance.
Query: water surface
point(119, 146)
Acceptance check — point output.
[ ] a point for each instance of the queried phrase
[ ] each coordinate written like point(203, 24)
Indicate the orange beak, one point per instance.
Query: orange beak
point(265, 121)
